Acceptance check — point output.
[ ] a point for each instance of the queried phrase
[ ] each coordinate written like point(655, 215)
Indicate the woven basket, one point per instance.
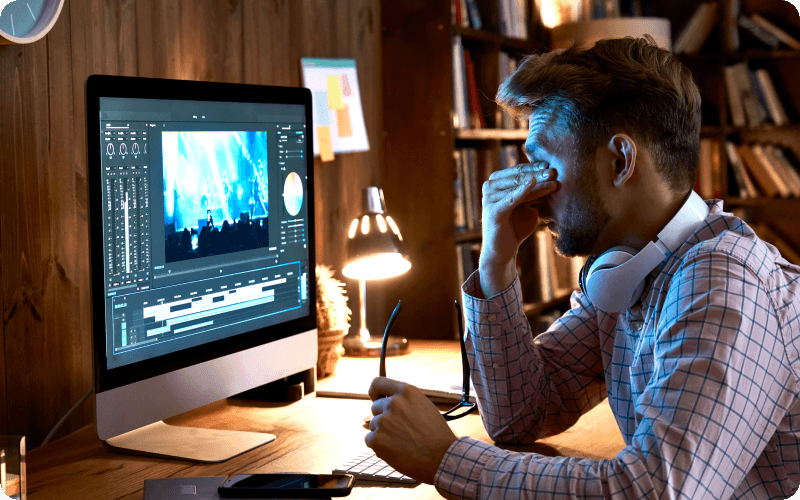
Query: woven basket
point(329, 350)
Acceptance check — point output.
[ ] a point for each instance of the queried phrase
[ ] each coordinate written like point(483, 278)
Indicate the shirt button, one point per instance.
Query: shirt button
point(492, 317)
point(496, 365)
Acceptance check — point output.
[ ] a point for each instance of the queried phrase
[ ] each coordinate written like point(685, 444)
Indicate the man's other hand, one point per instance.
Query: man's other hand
point(407, 431)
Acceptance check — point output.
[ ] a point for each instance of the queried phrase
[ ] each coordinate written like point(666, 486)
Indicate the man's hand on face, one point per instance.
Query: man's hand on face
point(407, 431)
point(511, 198)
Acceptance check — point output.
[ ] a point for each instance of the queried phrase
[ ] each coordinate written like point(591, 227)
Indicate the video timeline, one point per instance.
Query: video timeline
point(218, 307)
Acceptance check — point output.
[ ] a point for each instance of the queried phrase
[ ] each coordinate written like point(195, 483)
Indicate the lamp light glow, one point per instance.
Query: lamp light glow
point(365, 224)
point(378, 266)
point(381, 223)
point(353, 228)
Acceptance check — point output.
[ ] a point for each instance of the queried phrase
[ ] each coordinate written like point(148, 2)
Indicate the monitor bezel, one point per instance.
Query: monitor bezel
point(100, 86)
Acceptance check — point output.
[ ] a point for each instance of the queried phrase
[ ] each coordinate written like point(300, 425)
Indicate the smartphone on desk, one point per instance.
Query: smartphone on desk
point(287, 486)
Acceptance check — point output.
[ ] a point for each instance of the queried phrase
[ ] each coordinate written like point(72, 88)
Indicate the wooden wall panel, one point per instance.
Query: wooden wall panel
point(45, 339)
point(418, 167)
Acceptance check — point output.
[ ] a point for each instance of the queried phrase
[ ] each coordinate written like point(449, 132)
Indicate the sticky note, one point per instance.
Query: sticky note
point(335, 97)
point(343, 122)
point(321, 110)
point(325, 146)
point(346, 86)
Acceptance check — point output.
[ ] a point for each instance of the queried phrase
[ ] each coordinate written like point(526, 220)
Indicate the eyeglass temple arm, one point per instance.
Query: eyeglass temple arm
point(395, 313)
point(464, 358)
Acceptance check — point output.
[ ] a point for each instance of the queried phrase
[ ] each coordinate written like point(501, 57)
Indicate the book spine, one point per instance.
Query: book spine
point(459, 218)
point(774, 105)
point(474, 14)
point(753, 111)
point(704, 185)
point(779, 33)
point(755, 168)
point(759, 33)
point(746, 187)
point(734, 99)
point(772, 170)
point(476, 116)
point(784, 169)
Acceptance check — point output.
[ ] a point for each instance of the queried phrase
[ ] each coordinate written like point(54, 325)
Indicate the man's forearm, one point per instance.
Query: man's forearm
point(496, 278)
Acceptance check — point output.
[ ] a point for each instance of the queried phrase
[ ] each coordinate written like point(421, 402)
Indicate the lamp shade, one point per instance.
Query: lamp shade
point(375, 247)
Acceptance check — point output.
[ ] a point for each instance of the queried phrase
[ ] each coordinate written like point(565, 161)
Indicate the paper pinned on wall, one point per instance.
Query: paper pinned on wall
point(337, 105)
point(324, 138)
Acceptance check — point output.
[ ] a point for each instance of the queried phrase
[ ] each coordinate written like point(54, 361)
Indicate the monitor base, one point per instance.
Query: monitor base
point(187, 443)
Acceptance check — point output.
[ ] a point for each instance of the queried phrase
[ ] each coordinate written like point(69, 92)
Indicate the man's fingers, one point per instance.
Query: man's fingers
point(520, 195)
point(382, 387)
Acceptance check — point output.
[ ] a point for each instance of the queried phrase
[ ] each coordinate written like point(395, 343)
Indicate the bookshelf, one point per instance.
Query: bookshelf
point(420, 137)
point(769, 207)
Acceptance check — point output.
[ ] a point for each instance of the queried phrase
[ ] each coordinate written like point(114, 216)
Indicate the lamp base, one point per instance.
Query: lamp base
point(354, 347)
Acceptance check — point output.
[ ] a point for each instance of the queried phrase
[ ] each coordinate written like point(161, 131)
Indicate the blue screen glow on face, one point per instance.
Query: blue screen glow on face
point(18, 17)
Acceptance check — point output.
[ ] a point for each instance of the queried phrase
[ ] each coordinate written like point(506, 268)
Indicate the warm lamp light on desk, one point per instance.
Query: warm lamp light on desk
point(374, 251)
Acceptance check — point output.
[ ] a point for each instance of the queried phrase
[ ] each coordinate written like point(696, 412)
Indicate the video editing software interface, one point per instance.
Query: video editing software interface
point(205, 219)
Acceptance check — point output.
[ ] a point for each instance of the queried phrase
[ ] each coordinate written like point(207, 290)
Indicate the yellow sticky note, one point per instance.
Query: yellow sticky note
point(325, 146)
point(335, 97)
point(343, 122)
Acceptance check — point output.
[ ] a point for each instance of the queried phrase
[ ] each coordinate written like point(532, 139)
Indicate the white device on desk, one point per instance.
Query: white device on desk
point(201, 214)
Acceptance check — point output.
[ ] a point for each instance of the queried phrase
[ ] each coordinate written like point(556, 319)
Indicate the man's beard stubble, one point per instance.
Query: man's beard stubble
point(576, 232)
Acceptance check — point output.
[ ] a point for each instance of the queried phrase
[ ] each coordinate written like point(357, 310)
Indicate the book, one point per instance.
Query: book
point(476, 115)
point(474, 14)
point(460, 105)
point(544, 276)
point(759, 33)
point(785, 169)
point(759, 174)
point(697, 29)
point(729, 34)
point(774, 106)
point(734, 99)
point(704, 184)
point(773, 170)
point(746, 187)
point(464, 13)
point(459, 204)
point(782, 35)
point(754, 112)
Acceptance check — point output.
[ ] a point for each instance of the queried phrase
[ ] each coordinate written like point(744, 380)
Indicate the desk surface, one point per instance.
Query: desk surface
point(313, 435)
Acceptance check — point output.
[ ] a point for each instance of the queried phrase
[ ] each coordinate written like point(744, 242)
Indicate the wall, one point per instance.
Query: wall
point(45, 337)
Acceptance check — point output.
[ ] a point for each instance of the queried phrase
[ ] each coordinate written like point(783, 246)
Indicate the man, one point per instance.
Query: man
point(701, 371)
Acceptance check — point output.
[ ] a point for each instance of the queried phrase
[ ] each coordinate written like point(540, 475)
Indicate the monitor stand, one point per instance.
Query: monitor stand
point(187, 443)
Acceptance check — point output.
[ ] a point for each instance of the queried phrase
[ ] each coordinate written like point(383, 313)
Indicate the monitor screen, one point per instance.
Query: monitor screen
point(201, 209)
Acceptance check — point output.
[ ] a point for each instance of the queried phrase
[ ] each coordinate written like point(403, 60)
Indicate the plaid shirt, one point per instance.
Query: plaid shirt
point(701, 374)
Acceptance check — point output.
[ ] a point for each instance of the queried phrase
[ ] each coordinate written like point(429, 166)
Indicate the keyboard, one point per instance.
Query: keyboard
point(367, 466)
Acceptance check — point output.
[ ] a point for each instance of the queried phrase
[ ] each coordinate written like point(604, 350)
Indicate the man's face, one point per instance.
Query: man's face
point(575, 214)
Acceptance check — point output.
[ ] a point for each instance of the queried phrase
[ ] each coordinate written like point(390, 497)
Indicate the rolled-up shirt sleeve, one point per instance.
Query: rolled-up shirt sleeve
point(720, 384)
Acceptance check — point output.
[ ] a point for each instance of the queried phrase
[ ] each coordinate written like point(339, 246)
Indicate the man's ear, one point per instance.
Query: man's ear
point(622, 150)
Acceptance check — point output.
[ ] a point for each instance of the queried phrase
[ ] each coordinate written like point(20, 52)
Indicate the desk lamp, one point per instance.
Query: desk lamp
point(374, 251)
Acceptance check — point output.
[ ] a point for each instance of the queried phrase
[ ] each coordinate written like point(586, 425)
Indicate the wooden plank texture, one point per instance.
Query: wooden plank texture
point(45, 340)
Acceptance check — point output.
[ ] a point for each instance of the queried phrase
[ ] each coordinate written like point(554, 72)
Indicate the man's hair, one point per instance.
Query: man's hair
point(619, 85)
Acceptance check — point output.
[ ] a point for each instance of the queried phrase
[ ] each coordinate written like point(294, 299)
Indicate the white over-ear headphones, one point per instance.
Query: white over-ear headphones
point(615, 279)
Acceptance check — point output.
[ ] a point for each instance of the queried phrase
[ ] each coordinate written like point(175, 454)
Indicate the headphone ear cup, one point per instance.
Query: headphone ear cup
point(598, 283)
point(584, 274)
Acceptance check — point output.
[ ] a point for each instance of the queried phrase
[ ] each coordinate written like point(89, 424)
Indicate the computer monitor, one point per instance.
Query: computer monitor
point(201, 213)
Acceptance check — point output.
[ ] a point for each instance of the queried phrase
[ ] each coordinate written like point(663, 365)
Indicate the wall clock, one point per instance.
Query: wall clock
point(25, 21)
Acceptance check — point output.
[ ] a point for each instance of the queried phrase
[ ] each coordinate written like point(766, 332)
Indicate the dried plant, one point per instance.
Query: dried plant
point(332, 310)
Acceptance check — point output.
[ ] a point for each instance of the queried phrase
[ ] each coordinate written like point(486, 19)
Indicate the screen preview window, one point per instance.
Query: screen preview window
point(204, 222)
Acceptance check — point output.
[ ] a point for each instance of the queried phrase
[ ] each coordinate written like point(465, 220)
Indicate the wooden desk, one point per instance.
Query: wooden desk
point(313, 435)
